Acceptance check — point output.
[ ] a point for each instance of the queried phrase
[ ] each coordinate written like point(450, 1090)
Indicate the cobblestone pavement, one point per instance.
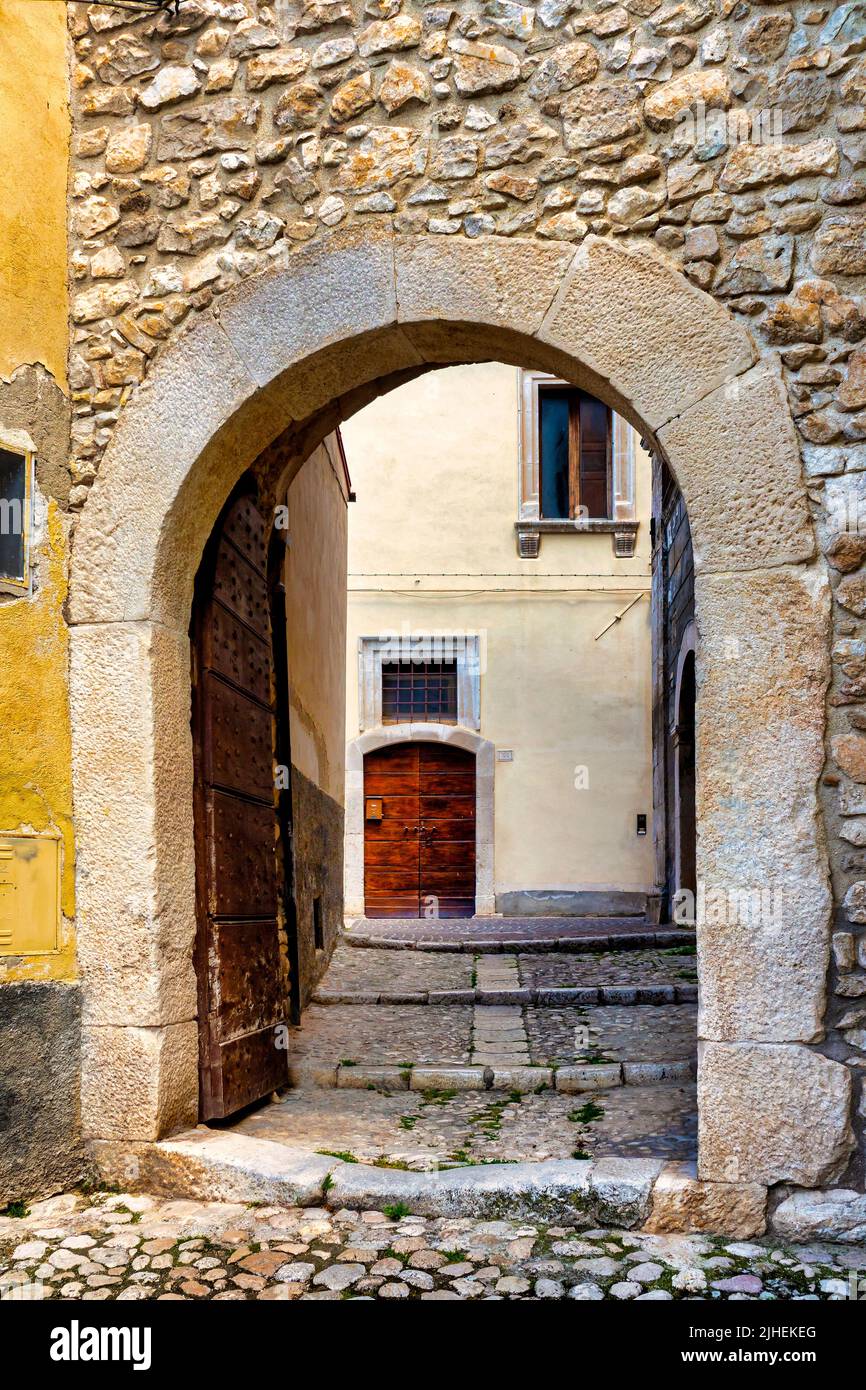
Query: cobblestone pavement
point(490, 1034)
point(398, 971)
point(426, 1130)
point(433, 1129)
point(493, 929)
point(564, 970)
point(371, 972)
point(389, 1033)
point(140, 1247)
point(619, 1032)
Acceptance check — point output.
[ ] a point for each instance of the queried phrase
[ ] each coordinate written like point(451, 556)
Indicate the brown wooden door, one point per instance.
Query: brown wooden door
point(419, 831)
point(239, 886)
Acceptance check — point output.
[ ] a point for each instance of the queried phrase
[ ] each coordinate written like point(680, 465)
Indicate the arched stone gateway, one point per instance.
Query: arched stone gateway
point(306, 343)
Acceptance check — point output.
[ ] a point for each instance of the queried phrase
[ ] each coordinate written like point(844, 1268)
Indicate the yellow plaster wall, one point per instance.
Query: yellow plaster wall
point(34, 131)
point(35, 742)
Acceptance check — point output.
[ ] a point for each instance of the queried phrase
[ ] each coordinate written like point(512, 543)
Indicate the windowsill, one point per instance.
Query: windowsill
point(529, 533)
point(421, 719)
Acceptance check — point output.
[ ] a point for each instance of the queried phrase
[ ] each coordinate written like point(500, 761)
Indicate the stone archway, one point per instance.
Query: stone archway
point(346, 311)
point(383, 737)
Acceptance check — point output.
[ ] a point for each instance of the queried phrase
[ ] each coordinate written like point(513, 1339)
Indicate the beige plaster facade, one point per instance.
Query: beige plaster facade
point(436, 465)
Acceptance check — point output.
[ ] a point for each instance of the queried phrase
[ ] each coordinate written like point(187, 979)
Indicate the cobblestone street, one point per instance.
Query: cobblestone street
point(445, 1055)
point(138, 1247)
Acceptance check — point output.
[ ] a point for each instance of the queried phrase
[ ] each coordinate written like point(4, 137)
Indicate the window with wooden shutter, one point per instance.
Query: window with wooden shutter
point(576, 470)
point(573, 454)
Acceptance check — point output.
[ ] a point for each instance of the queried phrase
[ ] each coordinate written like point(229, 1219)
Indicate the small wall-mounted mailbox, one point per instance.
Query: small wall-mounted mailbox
point(29, 894)
point(641, 824)
point(374, 808)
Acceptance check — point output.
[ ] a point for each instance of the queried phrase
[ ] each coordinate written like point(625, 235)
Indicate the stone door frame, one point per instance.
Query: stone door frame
point(386, 735)
point(309, 340)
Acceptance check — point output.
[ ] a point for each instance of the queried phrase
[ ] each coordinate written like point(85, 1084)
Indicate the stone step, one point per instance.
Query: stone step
point(234, 1167)
point(545, 998)
point(544, 941)
point(523, 1078)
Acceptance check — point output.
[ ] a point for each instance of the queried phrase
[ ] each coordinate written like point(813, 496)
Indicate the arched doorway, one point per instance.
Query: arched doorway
point(309, 341)
point(242, 860)
point(419, 831)
point(480, 753)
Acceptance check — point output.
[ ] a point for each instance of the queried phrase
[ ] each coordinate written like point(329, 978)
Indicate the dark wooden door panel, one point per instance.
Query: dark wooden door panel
point(448, 807)
point(243, 527)
point(242, 1002)
point(379, 879)
point(393, 854)
point(236, 1062)
point(449, 784)
point(391, 784)
point(434, 757)
point(395, 905)
point(389, 828)
point(403, 757)
point(242, 848)
point(398, 808)
point(424, 845)
point(457, 855)
point(246, 988)
point(455, 829)
point(242, 589)
point(238, 740)
point(232, 650)
point(452, 907)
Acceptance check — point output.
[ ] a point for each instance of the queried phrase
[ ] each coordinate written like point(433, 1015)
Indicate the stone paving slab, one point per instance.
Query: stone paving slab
point(383, 1034)
point(633, 1033)
point(442, 1126)
point(139, 1247)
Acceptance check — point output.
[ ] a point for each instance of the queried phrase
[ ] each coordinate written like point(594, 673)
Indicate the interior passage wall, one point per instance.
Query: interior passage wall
point(432, 549)
point(315, 576)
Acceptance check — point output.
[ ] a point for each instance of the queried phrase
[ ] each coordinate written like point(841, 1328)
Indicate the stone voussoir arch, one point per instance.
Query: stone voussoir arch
point(359, 306)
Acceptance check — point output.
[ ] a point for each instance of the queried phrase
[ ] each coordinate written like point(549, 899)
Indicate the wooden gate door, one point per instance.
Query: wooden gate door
point(239, 884)
point(419, 831)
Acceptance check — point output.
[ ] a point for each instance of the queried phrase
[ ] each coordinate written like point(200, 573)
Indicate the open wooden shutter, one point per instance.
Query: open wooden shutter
point(594, 437)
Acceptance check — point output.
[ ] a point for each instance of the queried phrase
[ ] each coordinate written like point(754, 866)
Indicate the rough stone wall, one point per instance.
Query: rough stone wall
point(728, 136)
point(319, 827)
point(40, 1044)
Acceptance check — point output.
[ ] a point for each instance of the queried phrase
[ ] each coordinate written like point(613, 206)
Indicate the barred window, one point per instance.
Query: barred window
point(424, 691)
